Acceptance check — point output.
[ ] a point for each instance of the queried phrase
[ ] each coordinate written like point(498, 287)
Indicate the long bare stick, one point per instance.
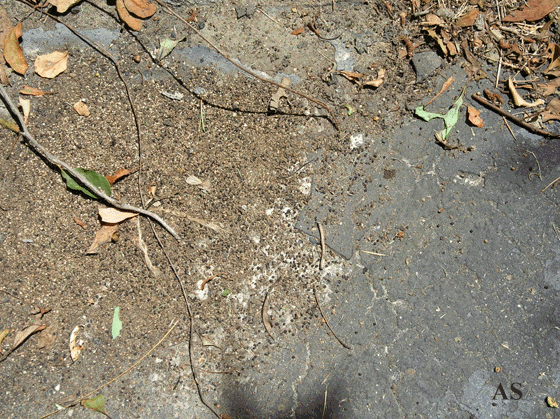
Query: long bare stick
point(252, 73)
point(514, 119)
point(77, 175)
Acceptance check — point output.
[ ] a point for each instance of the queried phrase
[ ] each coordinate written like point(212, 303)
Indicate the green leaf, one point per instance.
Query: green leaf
point(117, 324)
point(166, 46)
point(95, 178)
point(450, 118)
point(226, 293)
point(351, 110)
point(96, 404)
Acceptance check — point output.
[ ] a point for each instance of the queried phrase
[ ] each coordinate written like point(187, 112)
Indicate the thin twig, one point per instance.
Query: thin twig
point(539, 175)
point(509, 128)
point(514, 119)
point(323, 246)
point(173, 324)
point(551, 183)
point(75, 174)
point(326, 321)
point(246, 70)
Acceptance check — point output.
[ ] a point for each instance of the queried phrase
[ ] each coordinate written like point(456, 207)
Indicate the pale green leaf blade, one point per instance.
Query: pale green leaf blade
point(96, 404)
point(425, 115)
point(117, 324)
point(166, 46)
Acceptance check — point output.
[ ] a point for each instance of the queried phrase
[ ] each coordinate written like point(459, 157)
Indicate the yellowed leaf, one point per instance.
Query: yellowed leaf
point(103, 235)
point(81, 108)
point(51, 65)
point(132, 22)
point(12, 51)
point(140, 8)
point(115, 216)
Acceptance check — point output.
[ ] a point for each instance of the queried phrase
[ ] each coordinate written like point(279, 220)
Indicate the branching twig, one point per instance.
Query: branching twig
point(246, 70)
point(75, 174)
point(514, 119)
point(326, 321)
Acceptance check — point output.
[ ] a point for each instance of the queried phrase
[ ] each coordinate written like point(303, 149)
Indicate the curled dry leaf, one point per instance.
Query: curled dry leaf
point(51, 65)
point(353, 77)
point(297, 31)
point(3, 334)
point(115, 216)
point(377, 82)
point(518, 100)
point(25, 333)
point(140, 8)
point(474, 117)
point(549, 88)
point(76, 344)
point(132, 22)
point(63, 5)
point(533, 11)
point(79, 222)
point(12, 51)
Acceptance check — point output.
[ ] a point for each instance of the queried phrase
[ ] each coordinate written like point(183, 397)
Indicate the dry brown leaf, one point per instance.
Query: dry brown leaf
point(115, 216)
point(552, 110)
point(12, 51)
point(79, 222)
point(132, 22)
point(103, 235)
point(266, 318)
point(140, 8)
point(549, 88)
point(518, 100)
point(3, 334)
point(432, 19)
point(534, 10)
point(76, 345)
point(474, 117)
point(46, 339)
point(297, 31)
point(554, 56)
point(354, 77)
point(438, 39)
point(25, 105)
point(377, 82)
point(51, 65)
point(63, 5)
point(119, 174)
point(468, 18)
point(25, 333)
point(31, 91)
point(280, 93)
point(81, 108)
